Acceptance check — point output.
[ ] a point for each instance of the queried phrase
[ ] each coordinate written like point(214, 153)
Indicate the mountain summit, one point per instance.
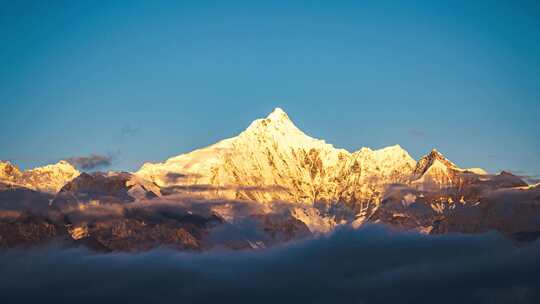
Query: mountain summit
point(273, 160)
point(278, 115)
point(278, 128)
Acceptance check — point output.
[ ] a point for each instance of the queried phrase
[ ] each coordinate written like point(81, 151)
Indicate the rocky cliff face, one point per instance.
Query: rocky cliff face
point(27, 229)
point(105, 188)
point(513, 211)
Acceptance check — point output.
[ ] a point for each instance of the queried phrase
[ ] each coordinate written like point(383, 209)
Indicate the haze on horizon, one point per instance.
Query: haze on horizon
point(146, 81)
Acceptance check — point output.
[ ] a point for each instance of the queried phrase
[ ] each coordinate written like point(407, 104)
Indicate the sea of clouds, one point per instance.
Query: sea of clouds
point(368, 265)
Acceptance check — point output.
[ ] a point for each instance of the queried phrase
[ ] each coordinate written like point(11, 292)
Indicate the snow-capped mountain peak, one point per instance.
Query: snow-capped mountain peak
point(278, 128)
point(434, 170)
point(49, 178)
point(278, 115)
point(9, 172)
point(434, 159)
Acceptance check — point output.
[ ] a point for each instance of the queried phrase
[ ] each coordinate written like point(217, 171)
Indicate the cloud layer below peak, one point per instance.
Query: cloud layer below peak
point(370, 265)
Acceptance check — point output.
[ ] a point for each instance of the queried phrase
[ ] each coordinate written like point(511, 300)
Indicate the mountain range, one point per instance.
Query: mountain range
point(272, 178)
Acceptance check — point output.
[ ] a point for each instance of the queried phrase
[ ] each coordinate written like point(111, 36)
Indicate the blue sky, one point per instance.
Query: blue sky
point(146, 80)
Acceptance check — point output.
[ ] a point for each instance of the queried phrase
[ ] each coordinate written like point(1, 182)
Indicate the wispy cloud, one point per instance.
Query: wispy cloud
point(128, 130)
point(418, 133)
point(90, 162)
point(173, 177)
point(207, 188)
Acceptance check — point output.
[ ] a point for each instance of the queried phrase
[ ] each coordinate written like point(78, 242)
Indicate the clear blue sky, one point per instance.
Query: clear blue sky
point(146, 80)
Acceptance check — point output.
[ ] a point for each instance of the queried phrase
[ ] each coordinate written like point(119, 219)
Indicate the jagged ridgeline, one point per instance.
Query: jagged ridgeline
point(273, 168)
point(273, 160)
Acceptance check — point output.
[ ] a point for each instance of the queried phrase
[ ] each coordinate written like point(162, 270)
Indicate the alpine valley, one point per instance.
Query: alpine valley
point(269, 185)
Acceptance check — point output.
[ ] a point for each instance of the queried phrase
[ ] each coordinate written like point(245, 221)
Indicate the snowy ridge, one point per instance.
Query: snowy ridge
point(49, 178)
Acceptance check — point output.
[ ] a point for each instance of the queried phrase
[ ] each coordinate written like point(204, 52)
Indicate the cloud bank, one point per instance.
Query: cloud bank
point(371, 265)
point(90, 162)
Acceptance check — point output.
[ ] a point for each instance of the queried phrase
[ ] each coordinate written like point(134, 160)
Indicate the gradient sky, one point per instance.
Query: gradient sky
point(146, 80)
